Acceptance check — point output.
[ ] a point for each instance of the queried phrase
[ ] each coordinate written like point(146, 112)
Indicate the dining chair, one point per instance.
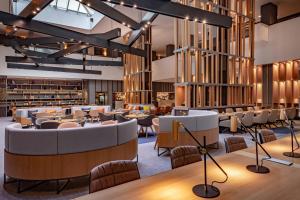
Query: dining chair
point(291, 113)
point(103, 117)
point(79, 114)
point(184, 155)
point(273, 117)
point(234, 144)
point(250, 108)
point(239, 110)
point(155, 122)
point(247, 120)
point(66, 125)
point(261, 119)
point(113, 173)
point(39, 121)
point(229, 110)
point(267, 135)
point(121, 119)
point(94, 115)
point(50, 124)
point(145, 123)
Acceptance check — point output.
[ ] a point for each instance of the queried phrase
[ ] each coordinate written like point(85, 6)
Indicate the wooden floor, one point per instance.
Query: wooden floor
point(281, 183)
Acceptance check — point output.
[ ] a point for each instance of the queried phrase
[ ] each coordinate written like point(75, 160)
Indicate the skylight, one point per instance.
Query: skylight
point(64, 12)
point(72, 5)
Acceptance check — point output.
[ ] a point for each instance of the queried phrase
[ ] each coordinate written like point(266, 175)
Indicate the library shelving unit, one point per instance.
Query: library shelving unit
point(45, 92)
point(283, 87)
point(3, 103)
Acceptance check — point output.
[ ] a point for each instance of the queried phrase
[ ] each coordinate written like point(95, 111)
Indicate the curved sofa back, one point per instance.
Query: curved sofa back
point(63, 141)
point(23, 112)
point(74, 108)
point(197, 120)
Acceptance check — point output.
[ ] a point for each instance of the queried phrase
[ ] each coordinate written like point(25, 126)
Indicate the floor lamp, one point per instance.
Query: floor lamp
point(202, 190)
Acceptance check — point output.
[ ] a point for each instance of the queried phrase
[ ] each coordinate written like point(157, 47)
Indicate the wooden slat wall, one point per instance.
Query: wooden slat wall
point(217, 68)
point(282, 86)
point(137, 73)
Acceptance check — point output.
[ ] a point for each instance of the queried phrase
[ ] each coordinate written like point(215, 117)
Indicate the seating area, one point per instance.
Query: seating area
point(149, 99)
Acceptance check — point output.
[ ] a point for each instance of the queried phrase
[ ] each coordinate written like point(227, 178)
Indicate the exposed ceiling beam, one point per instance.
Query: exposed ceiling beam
point(69, 50)
point(40, 27)
point(115, 33)
point(149, 17)
point(34, 7)
point(52, 69)
point(109, 35)
point(63, 61)
point(112, 13)
point(178, 10)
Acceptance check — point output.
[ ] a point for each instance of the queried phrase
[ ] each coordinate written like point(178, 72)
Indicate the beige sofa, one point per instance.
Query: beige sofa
point(199, 122)
point(35, 154)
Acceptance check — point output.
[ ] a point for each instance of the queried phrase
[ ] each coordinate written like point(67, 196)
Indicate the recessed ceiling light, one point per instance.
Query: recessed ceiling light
point(34, 12)
point(122, 3)
point(204, 21)
point(38, 9)
point(88, 4)
point(135, 6)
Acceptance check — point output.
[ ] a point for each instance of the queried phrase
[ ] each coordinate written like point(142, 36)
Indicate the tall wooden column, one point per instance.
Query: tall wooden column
point(138, 72)
point(214, 64)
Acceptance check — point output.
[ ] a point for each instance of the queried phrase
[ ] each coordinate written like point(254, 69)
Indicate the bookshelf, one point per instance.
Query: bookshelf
point(37, 92)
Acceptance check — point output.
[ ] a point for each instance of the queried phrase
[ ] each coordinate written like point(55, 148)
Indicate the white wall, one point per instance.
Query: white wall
point(163, 69)
point(108, 72)
point(282, 44)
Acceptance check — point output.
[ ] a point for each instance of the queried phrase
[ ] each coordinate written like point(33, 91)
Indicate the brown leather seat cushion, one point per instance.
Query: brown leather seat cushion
point(235, 144)
point(267, 135)
point(184, 155)
point(113, 173)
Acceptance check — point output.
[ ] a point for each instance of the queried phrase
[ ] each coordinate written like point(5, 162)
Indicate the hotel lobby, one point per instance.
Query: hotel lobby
point(149, 99)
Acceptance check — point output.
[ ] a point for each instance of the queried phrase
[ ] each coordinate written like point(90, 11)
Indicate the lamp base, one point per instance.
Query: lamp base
point(258, 169)
point(207, 191)
point(292, 154)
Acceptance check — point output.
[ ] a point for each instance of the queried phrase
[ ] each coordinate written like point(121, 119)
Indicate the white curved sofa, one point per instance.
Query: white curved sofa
point(74, 108)
point(199, 122)
point(36, 154)
point(23, 112)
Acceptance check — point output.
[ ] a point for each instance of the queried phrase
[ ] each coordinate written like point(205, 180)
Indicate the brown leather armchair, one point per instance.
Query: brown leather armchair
point(184, 155)
point(112, 174)
point(267, 135)
point(234, 144)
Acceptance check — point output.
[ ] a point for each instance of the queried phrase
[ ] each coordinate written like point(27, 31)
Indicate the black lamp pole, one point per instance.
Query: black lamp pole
point(292, 153)
point(205, 190)
point(258, 168)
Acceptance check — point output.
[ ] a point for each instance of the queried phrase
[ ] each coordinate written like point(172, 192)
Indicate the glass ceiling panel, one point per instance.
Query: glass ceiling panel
point(73, 5)
point(62, 4)
point(66, 12)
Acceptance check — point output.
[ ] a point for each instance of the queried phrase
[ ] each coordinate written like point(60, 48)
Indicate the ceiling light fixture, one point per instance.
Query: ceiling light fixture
point(122, 3)
point(187, 17)
point(135, 6)
point(38, 9)
point(88, 4)
point(204, 21)
point(34, 12)
point(124, 23)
